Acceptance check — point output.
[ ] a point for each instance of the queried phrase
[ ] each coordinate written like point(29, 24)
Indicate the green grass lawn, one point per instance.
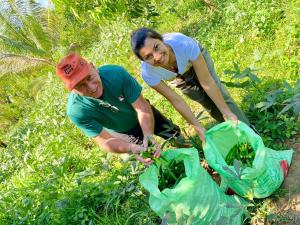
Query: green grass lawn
point(50, 173)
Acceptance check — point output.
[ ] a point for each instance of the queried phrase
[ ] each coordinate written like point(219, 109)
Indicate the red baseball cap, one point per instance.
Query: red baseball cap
point(72, 69)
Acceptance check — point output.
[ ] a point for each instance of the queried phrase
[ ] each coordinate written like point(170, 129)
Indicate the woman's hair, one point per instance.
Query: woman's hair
point(139, 36)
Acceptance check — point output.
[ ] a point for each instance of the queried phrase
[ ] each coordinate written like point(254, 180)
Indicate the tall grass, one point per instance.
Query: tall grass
point(50, 173)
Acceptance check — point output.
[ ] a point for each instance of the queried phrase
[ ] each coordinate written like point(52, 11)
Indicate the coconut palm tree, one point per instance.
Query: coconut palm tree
point(27, 44)
point(27, 37)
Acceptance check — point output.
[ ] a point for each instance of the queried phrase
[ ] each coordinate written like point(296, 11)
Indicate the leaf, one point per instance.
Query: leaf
point(229, 171)
point(229, 72)
point(262, 104)
point(273, 95)
point(286, 108)
point(236, 67)
point(236, 85)
point(243, 74)
point(297, 108)
point(237, 166)
point(254, 78)
point(288, 87)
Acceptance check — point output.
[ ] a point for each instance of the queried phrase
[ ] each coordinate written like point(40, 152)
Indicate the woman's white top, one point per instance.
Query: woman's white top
point(186, 50)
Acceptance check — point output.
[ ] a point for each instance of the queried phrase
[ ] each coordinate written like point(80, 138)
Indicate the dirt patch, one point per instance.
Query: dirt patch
point(287, 208)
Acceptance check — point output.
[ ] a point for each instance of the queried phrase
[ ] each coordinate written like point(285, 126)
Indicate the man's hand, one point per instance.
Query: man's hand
point(231, 116)
point(137, 150)
point(149, 141)
point(145, 161)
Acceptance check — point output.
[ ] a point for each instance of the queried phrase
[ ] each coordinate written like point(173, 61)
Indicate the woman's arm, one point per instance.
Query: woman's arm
point(211, 88)
point(181, 106)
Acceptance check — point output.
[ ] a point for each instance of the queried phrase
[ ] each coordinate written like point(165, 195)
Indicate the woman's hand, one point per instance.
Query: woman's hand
point(231, 116)
point(201, 133)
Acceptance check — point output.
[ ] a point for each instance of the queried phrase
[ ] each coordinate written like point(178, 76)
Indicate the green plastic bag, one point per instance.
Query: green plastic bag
point(196, 199)
point(268, 167)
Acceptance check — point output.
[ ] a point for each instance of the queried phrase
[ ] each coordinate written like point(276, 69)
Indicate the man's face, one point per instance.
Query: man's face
point(91, 86)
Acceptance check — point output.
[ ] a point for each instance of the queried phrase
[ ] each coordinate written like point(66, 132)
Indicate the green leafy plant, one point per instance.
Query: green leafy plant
point(242, 152)
point(281, 101)
point(170, 174)
point(293, 100)
point(237, 74)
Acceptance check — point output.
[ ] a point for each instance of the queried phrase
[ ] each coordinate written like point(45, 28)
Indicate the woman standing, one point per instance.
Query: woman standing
point(177, 57)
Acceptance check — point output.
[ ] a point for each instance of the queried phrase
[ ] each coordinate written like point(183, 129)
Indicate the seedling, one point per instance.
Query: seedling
point(170, 174)
point(242, 152)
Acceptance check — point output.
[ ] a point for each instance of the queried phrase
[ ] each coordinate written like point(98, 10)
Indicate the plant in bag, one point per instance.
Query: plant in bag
point(196, 199)
point(242, 152)
point(266, 173)
point(170, 172)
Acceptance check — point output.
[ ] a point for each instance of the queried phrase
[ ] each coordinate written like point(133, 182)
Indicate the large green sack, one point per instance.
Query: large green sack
point(196, 199)
point(268, 169)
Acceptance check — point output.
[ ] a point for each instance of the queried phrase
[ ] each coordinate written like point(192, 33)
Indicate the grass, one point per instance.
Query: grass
point(51, 174)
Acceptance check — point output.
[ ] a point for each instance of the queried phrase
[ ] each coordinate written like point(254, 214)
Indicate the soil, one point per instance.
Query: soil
point(287, 207)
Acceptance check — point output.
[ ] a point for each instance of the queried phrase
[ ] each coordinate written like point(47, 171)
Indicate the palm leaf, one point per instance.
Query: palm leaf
point(26, 40)
point(34, 26)
point(14, 64)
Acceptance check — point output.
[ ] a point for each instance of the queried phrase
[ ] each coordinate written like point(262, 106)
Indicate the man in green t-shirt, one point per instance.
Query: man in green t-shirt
point(106, 104)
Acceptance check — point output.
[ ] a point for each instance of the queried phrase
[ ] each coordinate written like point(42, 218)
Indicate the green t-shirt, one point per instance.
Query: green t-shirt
point(119, 90)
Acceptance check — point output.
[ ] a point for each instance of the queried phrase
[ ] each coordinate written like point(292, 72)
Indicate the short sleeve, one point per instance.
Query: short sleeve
point(90, 127)
point(131, 88)
point(150, 79)
point(193, 49)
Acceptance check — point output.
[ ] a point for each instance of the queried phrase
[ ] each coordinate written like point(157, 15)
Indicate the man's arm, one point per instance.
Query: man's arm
point(116, 145)
point(145, 116)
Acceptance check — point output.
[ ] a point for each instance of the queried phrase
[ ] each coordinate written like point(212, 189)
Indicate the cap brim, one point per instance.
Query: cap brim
point(79, 77)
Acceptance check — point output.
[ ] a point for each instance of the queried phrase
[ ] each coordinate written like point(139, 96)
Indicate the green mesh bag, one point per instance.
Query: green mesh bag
point(268, 168)
point(196, 199)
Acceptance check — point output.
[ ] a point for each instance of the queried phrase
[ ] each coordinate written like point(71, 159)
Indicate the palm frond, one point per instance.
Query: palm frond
point(16, 46)
point(14, 64)
point(26, 40)
point(30, 14)
point(11, 28)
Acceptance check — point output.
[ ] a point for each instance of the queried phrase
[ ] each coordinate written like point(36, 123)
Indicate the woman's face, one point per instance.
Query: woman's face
point(155, 52)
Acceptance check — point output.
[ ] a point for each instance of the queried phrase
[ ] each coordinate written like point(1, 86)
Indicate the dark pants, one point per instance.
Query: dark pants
point(189, 85)
point(162, 127)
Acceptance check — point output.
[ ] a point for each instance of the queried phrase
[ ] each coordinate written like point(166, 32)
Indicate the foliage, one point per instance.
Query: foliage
point(276, 115)
point(237, 74)
point(291, 99)
point(45, 178)
point(26, 37)
point(83, 21)
point(242, 152)
point(50, 173)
